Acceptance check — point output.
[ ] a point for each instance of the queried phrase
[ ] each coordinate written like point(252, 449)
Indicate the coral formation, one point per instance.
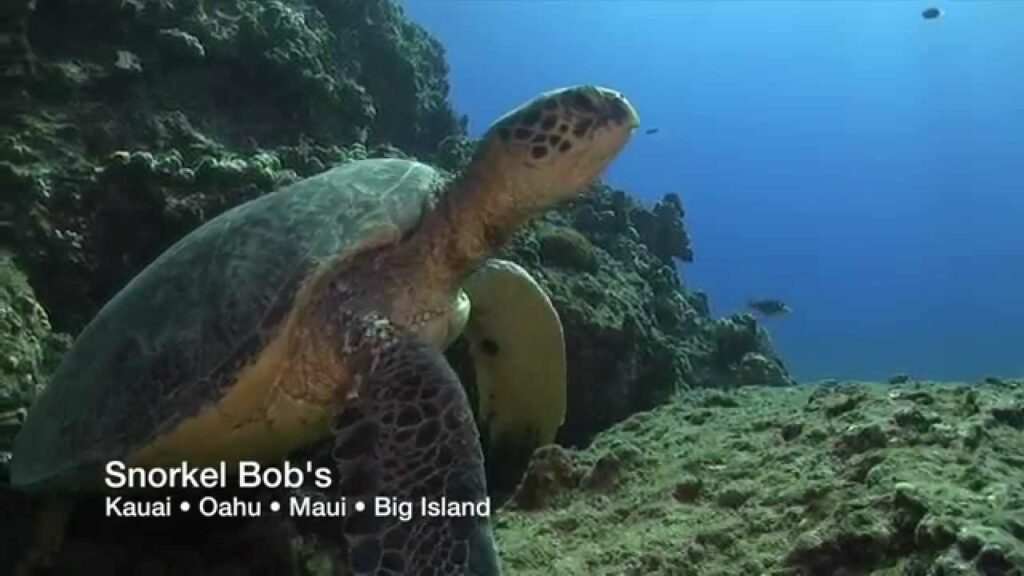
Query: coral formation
point(562, 246)
point(29, 351)
point(662, 229)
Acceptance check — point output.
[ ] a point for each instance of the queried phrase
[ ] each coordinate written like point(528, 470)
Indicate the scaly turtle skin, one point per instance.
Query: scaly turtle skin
point(321, 309)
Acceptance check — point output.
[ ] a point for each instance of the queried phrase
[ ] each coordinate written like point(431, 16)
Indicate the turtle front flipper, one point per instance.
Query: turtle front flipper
point(518, 349)
point(407, 435)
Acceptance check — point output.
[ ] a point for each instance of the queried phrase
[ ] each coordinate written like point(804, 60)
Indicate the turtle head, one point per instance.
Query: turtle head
point(548, 149)
point(538, 155)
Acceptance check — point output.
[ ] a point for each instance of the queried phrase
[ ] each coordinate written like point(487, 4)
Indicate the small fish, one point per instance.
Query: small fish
point(652, 131)
point(769, 306)
point(932, 13)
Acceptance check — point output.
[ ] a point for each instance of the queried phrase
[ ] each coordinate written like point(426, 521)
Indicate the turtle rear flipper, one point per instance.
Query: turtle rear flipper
point(408, 434)
point(518, 349)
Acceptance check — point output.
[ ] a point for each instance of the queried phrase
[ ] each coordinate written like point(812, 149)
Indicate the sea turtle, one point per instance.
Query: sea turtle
point(323, 308)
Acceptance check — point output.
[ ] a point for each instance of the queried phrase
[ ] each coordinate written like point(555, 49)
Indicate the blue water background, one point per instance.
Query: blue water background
point(859, 162)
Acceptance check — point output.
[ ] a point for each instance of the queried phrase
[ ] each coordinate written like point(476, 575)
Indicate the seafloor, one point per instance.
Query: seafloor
point(917, 478)
point(126, 124)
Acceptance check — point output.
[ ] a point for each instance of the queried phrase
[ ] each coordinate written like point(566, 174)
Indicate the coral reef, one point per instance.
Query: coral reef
point(662, 229)
point(29, 351)
point(851, 478)
point(126, 124)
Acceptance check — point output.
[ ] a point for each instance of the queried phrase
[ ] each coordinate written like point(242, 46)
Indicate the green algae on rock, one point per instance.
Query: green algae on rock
point(565, 247)
point(29, 350)
point(736, 490)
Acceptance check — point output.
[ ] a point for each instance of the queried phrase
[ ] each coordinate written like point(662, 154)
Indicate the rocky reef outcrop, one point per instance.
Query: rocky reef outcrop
point(823, 479)
point(29, 350)
point(125, 125)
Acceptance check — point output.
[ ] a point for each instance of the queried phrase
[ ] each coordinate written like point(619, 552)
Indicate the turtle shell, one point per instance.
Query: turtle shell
point(170, 342)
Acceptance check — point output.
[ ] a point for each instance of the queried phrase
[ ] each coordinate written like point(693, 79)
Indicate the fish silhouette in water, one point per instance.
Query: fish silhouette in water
point(932, 13)
point(652, 131)
point(769, 306)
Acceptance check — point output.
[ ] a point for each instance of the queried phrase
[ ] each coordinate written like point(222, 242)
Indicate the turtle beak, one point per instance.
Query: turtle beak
point(618, 108)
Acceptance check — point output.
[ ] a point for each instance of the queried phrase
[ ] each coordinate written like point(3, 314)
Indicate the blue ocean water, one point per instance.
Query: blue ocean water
point(852, 158)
